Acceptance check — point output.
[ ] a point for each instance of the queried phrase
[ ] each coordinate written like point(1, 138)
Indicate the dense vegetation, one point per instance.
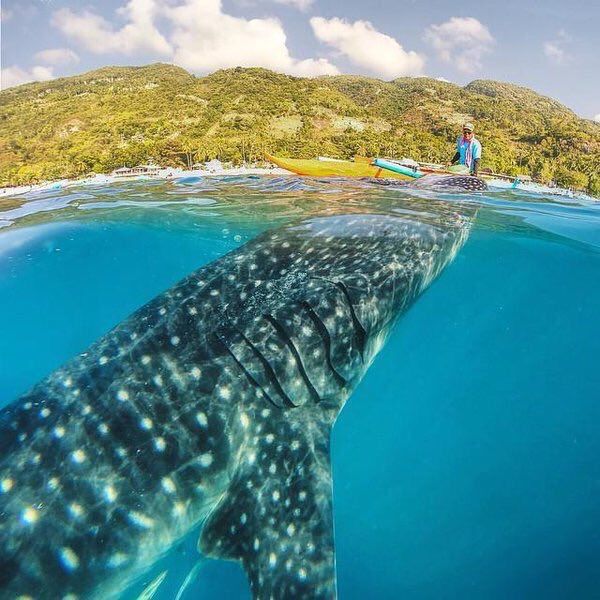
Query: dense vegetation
point(119, 116)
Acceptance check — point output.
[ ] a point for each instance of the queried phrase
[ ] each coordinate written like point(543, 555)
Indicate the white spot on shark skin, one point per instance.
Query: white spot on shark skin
point(272, 468)
point(243, 518)
point(146, 359)
point(146, 423)
point(251, 458)
point(27, 406)
point(168, 485)
point(69, 559)
point(116, 560)
point(22, 437)
point(59, 432)
point(103, 428)
point(162, 311)
point(206, 459)
point(160, 444)
point(302, 496)
point(196, 373)
point(272, 559)
point(175, 340)
point(265, 412)
point(78, 456)
point(256, 543)
point(192, 310)
point(35, 458)
point(201, 418)
point(158, 380)
point(87, 409)
point(141, 520)
point(302, 574)
point(178, 509)
point(122, 395)
point(68, 382)
point(45, 412)
point(291, 529)
point(76, 510)
point(276, 495)
point(295, 445)
point(30, 515)
point(223, 392)
point(244, 420)
point(269, 438)
point(6, 485)
point(110, 493)
point(53, 483)
point(103, 360)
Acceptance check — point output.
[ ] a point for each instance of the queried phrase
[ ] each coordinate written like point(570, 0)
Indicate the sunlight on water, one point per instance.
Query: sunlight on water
point(465, 465)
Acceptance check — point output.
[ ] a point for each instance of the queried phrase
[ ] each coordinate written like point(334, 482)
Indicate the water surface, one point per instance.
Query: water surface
point(466, 463)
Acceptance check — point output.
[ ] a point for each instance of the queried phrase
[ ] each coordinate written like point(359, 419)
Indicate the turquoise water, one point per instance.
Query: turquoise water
point(466, 463)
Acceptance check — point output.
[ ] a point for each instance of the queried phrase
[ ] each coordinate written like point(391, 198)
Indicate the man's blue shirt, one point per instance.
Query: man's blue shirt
point(468, 150)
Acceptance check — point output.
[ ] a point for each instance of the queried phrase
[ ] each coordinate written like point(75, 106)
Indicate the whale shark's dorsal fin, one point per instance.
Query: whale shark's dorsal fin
point(276, 517)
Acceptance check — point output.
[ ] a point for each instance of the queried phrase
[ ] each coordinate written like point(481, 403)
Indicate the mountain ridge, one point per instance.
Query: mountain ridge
point(102, 119)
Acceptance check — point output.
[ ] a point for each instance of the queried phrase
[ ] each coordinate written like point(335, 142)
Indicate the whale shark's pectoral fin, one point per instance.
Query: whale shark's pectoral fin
point(276, 517)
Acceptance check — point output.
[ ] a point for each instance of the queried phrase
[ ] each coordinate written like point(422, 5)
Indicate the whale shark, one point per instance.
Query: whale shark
point(211, 407)
point(437, 182)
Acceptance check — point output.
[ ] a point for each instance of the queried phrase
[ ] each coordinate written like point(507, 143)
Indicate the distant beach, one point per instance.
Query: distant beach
point(166, 173)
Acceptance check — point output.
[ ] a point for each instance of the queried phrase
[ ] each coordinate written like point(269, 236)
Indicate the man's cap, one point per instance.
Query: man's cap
point(468, 127)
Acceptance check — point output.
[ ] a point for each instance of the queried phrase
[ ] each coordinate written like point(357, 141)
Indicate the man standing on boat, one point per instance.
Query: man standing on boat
point(468, 150)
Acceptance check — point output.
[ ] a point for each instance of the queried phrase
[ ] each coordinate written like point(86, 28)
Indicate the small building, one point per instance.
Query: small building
point(148, 170)
point(213, 165)
point(121, 172)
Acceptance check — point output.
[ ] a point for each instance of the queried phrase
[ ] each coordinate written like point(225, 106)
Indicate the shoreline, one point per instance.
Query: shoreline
point(173, 173)
point(166, 174)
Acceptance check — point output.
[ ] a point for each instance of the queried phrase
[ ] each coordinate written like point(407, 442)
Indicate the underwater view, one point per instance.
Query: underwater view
point(453, 336)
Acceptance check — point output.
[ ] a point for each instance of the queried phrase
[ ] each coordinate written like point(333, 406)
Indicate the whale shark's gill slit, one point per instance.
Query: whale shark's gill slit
point(270, 373)
point(290, 344)
point(359, 330)
point(324, 333)
point(245, 371)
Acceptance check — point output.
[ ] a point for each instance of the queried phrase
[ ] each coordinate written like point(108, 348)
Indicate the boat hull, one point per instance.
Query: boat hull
point(333, 168)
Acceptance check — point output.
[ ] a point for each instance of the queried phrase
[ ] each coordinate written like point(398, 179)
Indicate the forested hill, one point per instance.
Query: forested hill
point(126, 115)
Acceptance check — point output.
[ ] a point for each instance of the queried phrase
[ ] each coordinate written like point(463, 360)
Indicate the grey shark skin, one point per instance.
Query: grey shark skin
point(213, 403)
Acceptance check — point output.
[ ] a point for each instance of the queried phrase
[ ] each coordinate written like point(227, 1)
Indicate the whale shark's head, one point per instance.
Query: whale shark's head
point(341, 280)
point(382, 262)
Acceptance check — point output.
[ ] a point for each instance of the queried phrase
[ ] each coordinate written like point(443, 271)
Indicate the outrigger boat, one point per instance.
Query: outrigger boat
point(319, 167)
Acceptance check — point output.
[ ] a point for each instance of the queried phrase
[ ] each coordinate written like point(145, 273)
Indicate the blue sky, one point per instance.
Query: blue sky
point(551, 46)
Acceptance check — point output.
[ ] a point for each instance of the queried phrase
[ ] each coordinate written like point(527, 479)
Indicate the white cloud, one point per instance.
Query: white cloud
point(368, 48)
point(12, 76)
point(597, 118)
point(555, 50)
point(57, 56)
point(462, 41)
point(97, 35)
point(299, 4)
point(204, 39)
